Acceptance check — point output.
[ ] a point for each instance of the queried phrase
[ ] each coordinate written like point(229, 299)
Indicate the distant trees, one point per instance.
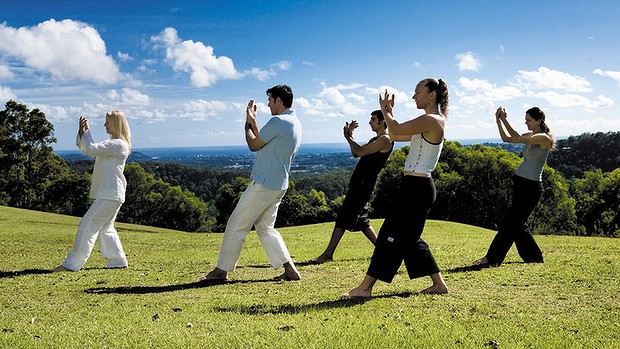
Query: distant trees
point(31, 175)
point(151, 201)
point(587, 152)
point(597, 195)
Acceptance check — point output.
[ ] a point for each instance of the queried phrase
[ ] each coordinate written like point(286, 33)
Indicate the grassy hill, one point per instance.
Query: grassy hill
point(570, 301)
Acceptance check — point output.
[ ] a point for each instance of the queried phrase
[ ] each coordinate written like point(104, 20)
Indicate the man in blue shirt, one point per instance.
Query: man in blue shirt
point(275, 145)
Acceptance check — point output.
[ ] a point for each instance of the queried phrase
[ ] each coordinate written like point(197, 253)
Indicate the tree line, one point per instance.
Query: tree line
point(582, 184)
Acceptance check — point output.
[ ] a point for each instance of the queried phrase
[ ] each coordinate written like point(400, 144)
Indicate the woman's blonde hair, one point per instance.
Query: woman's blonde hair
point(117, 122)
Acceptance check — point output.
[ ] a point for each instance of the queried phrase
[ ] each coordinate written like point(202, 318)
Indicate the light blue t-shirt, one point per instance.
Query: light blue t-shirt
point(273, 161)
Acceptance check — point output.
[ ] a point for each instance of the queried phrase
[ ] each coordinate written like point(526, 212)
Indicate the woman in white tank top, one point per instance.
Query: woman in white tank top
point(399, 238)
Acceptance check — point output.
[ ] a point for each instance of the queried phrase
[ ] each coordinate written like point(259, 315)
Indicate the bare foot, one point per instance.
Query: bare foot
point(59, 269)
point(435, 289)
point(358, 292)
point(215, 274)
point(288, 276)
point(481, 261)
point(323, 259)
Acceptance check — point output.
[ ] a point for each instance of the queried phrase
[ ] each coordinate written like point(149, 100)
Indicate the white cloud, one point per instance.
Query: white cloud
point(545, 78)
point(573, 100)
point(260, 74)
point(468, 61)
point(128, 97)
point(282, 65)
point(195, 58)
point(124, 56)
point(201, 109)
point(68, 50)
point(5, 72)
point(5, 94)
point(331, 102)
point(608, 73)
point(483, 93)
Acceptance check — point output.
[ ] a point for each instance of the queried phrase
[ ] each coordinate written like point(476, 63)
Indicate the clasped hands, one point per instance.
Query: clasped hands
point(349, 128)
point(500, 113)
point(386, 102)
point(83, 126)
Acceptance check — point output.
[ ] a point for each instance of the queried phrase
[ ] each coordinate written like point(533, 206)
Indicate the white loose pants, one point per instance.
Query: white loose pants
point(98, 222)
point(258, 207)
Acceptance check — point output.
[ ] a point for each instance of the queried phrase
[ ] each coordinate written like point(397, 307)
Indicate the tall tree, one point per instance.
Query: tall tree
point(25, 138)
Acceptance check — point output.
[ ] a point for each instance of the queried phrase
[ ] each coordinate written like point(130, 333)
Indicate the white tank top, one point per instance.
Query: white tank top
point(423, 155)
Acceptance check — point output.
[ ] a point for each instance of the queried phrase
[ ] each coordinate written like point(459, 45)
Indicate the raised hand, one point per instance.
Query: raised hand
point(500, 113)
point(83, 125)
point(386, 102)
point(251, 111)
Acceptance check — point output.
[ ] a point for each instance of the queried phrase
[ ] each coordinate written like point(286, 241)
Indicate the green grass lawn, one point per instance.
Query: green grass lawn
point(570, 301)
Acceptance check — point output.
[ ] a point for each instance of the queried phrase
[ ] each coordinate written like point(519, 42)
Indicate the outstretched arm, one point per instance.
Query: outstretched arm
point(381, 144)
point(541, 139)
point(252, 136)
point(408, 128)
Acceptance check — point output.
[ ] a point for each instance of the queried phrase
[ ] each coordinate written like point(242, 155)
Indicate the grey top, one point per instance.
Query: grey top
point(534, 158)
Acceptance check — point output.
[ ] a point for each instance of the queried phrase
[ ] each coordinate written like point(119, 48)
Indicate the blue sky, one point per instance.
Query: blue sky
point(183, 71)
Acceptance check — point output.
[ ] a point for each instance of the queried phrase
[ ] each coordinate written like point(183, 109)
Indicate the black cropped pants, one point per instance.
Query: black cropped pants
point(525, 196)
point(399, 237)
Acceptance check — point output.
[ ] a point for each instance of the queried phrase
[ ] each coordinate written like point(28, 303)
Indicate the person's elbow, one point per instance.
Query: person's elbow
point(256, 144)
point(253, 147)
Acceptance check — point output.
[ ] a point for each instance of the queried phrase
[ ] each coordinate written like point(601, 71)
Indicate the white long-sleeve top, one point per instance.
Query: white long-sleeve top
point(108, 179)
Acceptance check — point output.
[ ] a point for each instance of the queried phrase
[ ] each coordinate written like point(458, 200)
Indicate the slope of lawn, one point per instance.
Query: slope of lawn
point(570, 301)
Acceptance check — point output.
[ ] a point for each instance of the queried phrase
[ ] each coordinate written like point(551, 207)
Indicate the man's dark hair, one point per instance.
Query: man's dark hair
point(284, 92)
point(378, 114)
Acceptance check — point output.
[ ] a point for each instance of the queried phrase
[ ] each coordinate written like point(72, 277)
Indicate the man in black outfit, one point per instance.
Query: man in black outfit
point(353, 214)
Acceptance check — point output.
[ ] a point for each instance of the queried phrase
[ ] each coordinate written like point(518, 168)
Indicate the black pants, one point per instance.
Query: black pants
point(525, 196)
point(399, 236)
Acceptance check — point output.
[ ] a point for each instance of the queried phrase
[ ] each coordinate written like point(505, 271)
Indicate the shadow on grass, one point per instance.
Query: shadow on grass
point(11, 274)
point(479, 267)
point(261, 309)
point(314, 262)
point(167, 288)
point(468, 268)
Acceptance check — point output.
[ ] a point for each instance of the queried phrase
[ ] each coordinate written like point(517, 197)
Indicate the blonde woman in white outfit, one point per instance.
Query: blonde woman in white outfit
point(108, 189)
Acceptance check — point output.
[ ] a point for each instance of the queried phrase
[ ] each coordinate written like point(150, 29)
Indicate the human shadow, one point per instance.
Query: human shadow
point(168, 288)
point(479, 267)
point(290, 309)
point(314, 262)
point(12, 274)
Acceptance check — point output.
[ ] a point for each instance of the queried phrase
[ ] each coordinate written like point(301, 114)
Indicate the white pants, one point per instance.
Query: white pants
point(258, 207)
point(97, 222)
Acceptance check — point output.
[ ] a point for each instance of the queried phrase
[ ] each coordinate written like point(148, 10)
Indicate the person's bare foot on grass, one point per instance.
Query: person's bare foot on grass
point(323, 259)
point(481, 261)
point(60, 268)
point(435, 289)
point(290, 273)
point(358, 292)
point(287, 277)
point(216, 274)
